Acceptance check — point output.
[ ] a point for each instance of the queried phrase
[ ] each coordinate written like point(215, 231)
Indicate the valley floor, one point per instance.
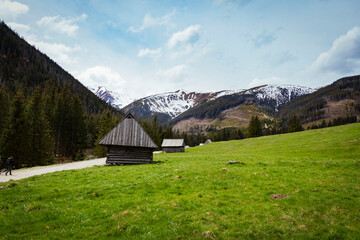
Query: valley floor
point(303, 185)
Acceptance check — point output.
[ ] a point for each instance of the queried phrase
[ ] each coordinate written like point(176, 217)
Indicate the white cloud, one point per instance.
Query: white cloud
point(149, 52)
point(19, 28)
point(343, 57)
point(271, 80)
point(12, 9)
point(175, 74)
point(149, 21)
point(184, 36)
point(102, 76)
point(57, 51)
point(60, 53)
point(62, 25)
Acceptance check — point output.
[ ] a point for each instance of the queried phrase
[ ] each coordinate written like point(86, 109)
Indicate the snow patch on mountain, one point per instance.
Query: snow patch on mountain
point(224, 93)
point(113, 98)
point(282, 94)
point(171, 103)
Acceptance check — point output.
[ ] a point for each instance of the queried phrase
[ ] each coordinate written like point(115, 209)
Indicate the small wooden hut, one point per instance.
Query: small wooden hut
point(173, 145)
point(128, 143)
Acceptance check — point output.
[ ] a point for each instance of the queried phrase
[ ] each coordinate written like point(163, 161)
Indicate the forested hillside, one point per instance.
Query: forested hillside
point(23, 67)
point(341, 99)
point(45, 112)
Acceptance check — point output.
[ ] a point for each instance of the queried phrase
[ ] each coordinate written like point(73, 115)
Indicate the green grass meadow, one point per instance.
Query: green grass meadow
point(196, 195)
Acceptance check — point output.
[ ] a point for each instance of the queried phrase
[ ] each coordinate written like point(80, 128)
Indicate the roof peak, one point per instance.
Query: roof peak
point(129, 115)
point(128, 133)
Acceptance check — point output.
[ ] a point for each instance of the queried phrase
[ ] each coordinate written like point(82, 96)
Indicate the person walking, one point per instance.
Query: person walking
point(10, 162)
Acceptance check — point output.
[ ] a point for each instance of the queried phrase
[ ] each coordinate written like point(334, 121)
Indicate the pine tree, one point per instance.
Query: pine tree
point(294, 125)
point(168, 132)
point(62, 121)
point(78, 138)
point(4, 110)
point(107, 122)
point(49, 96)
point(41, 143)
point(156, 132)
point(69, 125)
point(254, 128)
point(15, 138)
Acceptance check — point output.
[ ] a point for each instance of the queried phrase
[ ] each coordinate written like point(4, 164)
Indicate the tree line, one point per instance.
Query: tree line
point(50, 123)
point(257, 127)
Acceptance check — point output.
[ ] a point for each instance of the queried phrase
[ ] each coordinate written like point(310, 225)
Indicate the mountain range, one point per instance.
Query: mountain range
point(189, 110)
point(171, 104)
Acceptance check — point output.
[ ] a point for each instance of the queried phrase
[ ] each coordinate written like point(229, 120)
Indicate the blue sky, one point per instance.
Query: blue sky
point(139, 48)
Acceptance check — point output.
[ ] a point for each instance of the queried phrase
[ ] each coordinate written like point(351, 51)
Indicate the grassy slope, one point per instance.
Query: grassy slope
point(196, 195)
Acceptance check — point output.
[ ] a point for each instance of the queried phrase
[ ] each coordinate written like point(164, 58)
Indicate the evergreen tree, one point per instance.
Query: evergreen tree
point(168, 132)
point(69, 125)
point(156, 131)
point(15, 138)
point(91, 123)
point(254, 128)
point(78, 135)
point(49, 96)
point(4, 110)
point(107, 122)
point(294, 125)
point(62, 121)
point(41, 143)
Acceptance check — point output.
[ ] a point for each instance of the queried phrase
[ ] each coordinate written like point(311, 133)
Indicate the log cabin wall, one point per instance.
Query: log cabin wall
point(129, 155)
point(173, 149)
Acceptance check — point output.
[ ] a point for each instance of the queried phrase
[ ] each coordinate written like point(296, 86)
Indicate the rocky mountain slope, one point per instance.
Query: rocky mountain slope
point(110, 97)
point(170, 105)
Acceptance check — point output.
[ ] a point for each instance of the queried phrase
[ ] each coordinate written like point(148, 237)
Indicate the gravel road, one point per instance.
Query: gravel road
point(29, 172)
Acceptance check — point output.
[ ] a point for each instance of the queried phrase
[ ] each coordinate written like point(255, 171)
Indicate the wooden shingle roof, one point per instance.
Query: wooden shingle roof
point(128, 133)
point(173, 143)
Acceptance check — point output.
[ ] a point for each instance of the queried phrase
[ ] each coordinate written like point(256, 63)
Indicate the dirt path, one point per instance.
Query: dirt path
point(29, 172)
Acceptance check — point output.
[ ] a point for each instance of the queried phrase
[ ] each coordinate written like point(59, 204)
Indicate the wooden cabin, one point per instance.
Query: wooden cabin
point(128, 143)
point(173, 145)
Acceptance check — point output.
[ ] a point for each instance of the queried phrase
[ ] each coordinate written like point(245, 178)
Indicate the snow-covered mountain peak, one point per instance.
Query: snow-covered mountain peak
point(171, 103)
point(280, 93)
point(113, 98)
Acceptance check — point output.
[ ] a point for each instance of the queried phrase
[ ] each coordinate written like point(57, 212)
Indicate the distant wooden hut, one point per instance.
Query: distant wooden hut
point(173, 145)
point(128, 143)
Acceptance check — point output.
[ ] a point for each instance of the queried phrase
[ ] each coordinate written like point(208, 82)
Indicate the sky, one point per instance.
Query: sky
point(138, 48)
